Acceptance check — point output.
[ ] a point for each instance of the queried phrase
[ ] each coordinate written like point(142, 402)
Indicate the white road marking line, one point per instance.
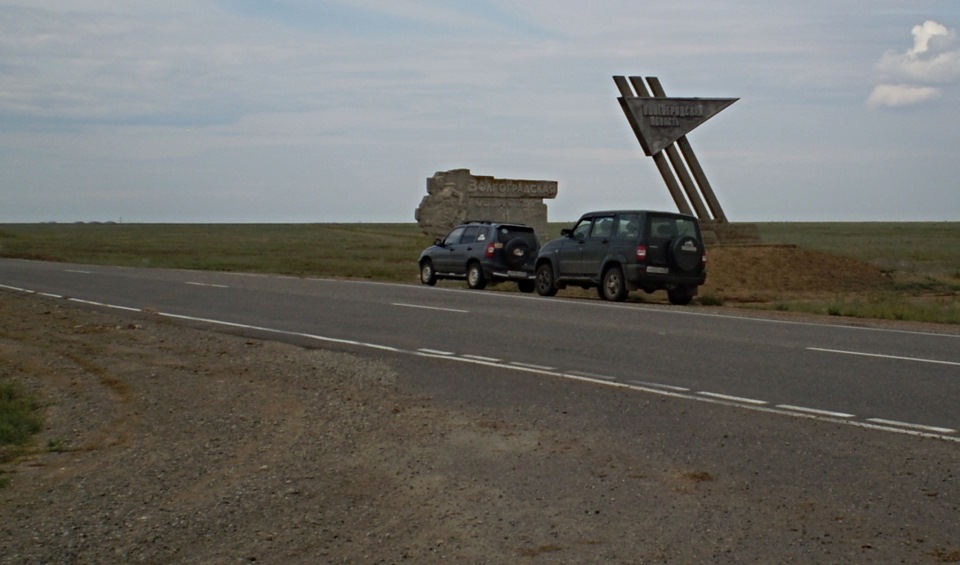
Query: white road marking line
point(456, 310)
point(712, 398)
point(733, 398)
point(482, 358)
point(658, 385)
point(912, 426)
point(898, 358)
point(532, 366)
point(592, 375)
point(816, 411)
point(437, 352)
point(207, 284)
point(76, 271)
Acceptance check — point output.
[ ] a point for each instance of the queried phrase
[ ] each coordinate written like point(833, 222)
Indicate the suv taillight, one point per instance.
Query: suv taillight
point(490, 249)
point(641, 253)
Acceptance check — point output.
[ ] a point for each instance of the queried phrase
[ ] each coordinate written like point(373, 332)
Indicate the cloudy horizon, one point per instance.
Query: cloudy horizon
point(336, 111)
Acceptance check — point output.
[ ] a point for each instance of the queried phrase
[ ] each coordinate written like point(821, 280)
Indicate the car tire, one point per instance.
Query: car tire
point(526, 286)
point(475, 278)
point(516, 253)
point(685, 253)
point(680, 295)
point(613, 287)
point(546, 284)
point(427, 275)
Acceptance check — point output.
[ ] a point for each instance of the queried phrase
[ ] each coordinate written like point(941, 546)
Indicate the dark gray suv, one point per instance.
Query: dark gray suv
point(483, 252)
point(624, 250)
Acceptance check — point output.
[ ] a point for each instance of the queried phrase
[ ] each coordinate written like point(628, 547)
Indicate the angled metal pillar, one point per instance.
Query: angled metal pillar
point(661, 124)
point(688, 186)
point(658, 158)
point(693, 162)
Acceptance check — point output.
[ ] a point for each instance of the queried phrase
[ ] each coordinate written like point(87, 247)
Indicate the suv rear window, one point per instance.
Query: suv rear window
point(506, 233)
point(669, 227)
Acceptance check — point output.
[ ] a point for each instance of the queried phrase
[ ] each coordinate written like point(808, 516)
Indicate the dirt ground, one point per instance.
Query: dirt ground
point(166, 444)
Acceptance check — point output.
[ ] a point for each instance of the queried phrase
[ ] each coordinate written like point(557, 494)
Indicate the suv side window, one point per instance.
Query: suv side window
point(470, 234)
point(629, 226)
point(582, 230)
point(454, 237)
point(602, 227)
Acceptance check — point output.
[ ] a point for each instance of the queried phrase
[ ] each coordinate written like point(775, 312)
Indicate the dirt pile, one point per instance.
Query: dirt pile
point(772, 272)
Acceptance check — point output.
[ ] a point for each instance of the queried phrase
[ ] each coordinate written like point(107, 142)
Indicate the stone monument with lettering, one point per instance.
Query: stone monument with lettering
point(456, 196)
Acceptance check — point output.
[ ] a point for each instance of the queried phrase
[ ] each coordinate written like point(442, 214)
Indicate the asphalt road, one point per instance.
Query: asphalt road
point(894, 381)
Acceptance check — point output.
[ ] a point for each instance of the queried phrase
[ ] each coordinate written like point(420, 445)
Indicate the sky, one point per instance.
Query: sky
point(301, 111)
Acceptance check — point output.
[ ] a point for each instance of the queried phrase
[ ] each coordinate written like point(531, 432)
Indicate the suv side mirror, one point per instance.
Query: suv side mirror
point(565, 232)
point(438, 242)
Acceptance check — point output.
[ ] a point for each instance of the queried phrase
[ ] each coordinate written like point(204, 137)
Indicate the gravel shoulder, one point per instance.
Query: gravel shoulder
point(178, 445)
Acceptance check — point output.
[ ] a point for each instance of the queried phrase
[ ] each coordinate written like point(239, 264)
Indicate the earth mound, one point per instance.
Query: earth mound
point(769, 272)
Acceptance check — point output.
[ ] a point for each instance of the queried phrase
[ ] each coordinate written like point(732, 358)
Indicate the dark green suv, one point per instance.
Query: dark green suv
point(624, 250)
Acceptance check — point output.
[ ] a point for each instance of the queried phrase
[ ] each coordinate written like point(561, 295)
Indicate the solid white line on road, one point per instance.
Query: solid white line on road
point(733, 398)
point(437, 352)
point(658, 385)
point(662, 390)
point(532, 366)
point(912, 426)
point(592, 375)
point(76, 271)
point(207, 284)
point(458, 311)
point(482, 358)
point(898, 358)
point(815, 411)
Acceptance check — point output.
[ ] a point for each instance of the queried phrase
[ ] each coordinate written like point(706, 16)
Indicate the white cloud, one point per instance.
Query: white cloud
point(918, 74)
point(893, 95)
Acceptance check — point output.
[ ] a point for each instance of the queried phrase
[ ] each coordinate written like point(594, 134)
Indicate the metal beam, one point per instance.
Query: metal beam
point(626, 92)
point(693, 163)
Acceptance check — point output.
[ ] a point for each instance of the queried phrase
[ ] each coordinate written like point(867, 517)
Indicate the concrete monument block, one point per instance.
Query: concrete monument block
point(457, 196)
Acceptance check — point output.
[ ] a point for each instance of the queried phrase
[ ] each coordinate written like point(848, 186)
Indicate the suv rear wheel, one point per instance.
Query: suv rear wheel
point(612, 286)
point(680, 295)
point(475, 278)
point(546, 286)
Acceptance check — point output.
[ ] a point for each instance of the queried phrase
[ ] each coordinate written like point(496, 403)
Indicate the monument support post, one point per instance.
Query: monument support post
point(692, 162)
point(661, 124)
point(674, 156)
point(658, 158)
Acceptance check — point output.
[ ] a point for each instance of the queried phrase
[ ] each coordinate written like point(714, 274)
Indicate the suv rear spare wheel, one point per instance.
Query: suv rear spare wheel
point(516, 252)
point(685, 253)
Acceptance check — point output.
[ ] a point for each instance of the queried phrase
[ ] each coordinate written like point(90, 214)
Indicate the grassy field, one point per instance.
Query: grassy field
point(922, 258)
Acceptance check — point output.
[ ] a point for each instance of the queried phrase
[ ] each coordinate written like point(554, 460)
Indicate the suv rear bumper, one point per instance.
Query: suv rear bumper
point(511, 275)
point(638, 277)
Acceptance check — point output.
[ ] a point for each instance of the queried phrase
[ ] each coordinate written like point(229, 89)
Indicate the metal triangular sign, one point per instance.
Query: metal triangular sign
point(658, 122)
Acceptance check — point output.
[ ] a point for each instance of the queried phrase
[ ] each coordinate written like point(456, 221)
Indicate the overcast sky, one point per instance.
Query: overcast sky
point(339, 110)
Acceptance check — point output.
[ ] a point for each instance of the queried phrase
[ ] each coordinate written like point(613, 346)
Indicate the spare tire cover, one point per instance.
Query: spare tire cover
point(516, 252)
point(685, 253)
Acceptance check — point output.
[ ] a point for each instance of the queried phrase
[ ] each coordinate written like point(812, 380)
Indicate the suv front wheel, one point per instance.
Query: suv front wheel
point(613, 287)
point(546, 286)
point(475, 278)
point(427, 275)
